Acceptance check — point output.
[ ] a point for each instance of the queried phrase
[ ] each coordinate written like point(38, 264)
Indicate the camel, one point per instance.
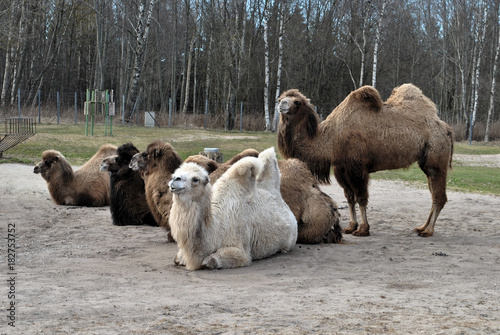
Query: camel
point(128, 203)
point(240, 219)
point(364, 135)
point(86, 186)
point(156, 166)
point(316, 213)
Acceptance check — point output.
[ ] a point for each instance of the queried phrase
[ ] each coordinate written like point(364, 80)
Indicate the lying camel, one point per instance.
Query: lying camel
point(242, 218)
point(316, 213)
point(87, 186)
point(156, 166)
point(128, 203)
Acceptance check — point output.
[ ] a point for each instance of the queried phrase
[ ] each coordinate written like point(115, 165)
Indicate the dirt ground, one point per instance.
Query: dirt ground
point(76, 273)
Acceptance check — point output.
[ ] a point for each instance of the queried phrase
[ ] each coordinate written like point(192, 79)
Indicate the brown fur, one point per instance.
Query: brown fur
point(217, 170)
point(87, 186)
point(156, 165)
point(317, 216)
point(363, 135)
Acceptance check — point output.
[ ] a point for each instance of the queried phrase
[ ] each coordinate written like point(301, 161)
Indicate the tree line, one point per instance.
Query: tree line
point(206, 56)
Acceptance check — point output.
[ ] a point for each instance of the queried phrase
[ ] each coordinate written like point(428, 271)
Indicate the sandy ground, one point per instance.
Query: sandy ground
point(76, 273)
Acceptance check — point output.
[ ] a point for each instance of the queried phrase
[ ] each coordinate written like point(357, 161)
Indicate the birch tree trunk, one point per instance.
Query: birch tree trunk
point(492, 92)
point(142, 32)
point(265, 23)
point(280, 61)
point(9, 59)
point(477, 67)
point(377, 42)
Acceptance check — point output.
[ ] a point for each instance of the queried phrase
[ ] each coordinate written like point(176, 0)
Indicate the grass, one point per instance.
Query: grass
point(71, 141)
point(78, 148)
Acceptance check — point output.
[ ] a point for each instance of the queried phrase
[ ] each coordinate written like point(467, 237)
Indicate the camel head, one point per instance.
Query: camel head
point(296, 110)
point(116, 162)
point(110, 164)
point(190, 180)
point(52, 163)
point(208, 164)
point(158, 156)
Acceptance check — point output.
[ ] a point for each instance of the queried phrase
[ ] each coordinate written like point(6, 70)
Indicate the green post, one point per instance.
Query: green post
point(106, 115)
point(87, 115)
point(92, 104)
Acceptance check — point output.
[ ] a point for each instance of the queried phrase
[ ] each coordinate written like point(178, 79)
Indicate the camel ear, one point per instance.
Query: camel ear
point(56, 158)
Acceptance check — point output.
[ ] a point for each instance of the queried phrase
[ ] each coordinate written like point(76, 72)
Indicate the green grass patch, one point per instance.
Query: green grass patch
point(476, 179)
point(71, 141)
point(78, 148)
point(463, 148)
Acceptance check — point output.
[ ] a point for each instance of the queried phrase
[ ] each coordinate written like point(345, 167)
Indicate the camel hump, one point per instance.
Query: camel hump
point(409, 94)
point(368, 97)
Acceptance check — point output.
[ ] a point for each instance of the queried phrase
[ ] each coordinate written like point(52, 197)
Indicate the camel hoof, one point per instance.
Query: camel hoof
point(425, 234)
point(332, 236)
point(360, 233)
point(210, 263)
point(353, 226)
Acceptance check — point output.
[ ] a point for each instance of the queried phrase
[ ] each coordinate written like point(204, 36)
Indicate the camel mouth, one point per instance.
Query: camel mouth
point(36, 169)
point(134, 162)
point(104, 167)
point(176, 186)
point(283, 106)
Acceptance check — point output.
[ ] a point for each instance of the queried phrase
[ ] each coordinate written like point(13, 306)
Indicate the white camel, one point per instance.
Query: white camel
point(242, 218)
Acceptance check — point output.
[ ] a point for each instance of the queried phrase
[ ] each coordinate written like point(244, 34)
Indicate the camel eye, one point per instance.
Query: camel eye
point(195, 179)
point(297, 103)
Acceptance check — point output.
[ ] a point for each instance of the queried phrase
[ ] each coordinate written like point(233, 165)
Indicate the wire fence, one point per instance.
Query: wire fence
point(68, 108)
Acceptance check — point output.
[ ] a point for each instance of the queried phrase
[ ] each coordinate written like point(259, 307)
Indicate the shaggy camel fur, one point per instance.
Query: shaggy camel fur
point(363, 135)
point(316, 213)
point(128, 204)
point(242, 218)
point(156, 166)
point(86, 186)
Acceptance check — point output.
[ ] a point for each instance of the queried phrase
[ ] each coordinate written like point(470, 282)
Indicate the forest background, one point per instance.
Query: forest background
point(219, 58)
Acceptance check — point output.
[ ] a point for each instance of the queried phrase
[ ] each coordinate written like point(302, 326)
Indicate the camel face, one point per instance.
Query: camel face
point(48, 159)
point(139, 161)
point(109, 164)
point(284, 105)
point(188, 179)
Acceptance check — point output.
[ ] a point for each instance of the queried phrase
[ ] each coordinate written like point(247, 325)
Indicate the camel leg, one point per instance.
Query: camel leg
point(359, 182)
point(437, 185)
point(341, 176)
point(364, 227)
point(227, 257)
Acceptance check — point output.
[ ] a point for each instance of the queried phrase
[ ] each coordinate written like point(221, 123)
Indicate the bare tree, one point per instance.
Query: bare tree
point(141, 34)
point(479, 40)
point(377, 42)
point(492, 90)
point(267, 70)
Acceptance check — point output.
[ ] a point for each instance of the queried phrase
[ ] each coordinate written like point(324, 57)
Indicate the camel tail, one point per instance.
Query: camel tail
point(451, 136)
point(368, 97)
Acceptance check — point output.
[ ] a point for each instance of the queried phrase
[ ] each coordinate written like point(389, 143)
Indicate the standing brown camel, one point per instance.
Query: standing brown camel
point(364, 135)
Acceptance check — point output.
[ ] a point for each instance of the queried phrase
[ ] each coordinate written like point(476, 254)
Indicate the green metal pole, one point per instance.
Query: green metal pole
point(87, 115)
point(93, 111)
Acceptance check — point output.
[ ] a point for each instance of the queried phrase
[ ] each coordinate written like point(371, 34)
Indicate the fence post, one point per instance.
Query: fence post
point(19, 101)
point(123, 109)
point(241, 117)
point(39, 107)
point(206, 113)
point(76, 107)
point(169, 112)
point(57, 107)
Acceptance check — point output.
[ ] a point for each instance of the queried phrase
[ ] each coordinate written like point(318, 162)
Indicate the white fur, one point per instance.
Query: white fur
point(243, 217)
